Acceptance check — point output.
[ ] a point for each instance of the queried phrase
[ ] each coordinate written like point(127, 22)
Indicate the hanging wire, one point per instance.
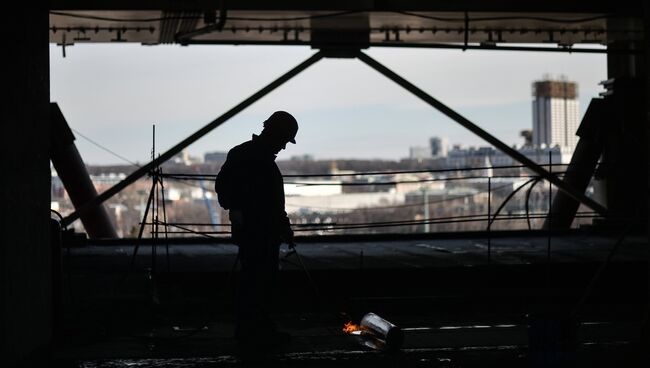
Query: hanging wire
point(513, 17)
point(381, 224)
point(182, 178)
point(159, 19)
point(367, 173)
point(105, 148)
point(339, 14)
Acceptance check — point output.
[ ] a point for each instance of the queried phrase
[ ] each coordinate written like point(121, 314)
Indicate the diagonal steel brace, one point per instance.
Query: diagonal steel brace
point(482, 133)
point(191, 139)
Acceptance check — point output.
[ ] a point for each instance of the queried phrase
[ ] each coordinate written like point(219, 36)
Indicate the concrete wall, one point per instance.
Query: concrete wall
point(25, 261)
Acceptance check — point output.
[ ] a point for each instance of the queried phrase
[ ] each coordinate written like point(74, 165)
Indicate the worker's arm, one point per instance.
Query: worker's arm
point(287, 233)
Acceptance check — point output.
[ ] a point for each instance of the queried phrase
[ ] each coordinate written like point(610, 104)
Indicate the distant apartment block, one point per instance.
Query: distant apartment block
point(215, 156)
point(487, 156)
point(419, 153)
point(555, 113)
point(439, 146)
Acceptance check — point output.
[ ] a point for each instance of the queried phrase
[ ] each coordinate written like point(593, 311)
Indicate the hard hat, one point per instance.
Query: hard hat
point(284, 123)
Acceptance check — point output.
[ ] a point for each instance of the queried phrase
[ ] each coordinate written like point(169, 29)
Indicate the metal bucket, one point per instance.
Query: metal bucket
point(390, 336)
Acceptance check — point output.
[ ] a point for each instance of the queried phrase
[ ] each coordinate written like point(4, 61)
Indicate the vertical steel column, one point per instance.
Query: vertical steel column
point(583, 164)
point(25, 244)
point(192, 138)
point(481, 133)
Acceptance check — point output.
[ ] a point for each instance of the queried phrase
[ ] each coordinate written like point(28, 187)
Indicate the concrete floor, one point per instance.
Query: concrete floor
point(455, 308)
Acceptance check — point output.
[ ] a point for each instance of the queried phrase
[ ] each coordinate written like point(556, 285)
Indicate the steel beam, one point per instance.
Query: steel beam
point(191, 139)
point(445, 46)
point(482, 133)
point(583, 163)
point(508, 6)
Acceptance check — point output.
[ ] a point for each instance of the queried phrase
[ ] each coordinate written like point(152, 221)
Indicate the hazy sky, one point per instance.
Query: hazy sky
point(114, 93)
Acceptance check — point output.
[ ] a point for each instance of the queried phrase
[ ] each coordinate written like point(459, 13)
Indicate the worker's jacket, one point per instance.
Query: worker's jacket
point(250, 182)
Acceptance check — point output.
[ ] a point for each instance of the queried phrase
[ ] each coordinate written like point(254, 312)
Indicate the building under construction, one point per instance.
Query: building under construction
point(550, 295)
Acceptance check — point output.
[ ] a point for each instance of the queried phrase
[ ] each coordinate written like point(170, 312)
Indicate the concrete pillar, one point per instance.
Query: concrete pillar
point(625, 149)
point(25, 257)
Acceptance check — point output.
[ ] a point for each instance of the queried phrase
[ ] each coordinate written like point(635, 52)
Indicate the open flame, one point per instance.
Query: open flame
point(351, 328)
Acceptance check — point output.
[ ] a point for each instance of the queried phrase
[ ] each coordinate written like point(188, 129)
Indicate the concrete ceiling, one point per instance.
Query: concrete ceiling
point(368, 23)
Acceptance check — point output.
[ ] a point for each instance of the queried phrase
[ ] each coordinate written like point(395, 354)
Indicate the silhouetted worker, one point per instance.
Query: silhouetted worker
point(250, 186)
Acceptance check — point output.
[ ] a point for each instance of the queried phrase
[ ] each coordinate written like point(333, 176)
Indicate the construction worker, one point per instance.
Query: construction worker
point(250, 186)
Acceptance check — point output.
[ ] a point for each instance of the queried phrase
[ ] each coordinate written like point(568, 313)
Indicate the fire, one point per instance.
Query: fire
point(351, 327)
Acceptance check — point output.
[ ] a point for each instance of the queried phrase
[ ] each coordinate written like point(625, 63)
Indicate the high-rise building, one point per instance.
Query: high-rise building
point(217, 156)
point(555, 113)
point(439, 146)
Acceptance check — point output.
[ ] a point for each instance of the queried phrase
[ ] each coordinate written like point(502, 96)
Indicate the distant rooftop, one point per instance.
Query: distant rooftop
point(555, 89)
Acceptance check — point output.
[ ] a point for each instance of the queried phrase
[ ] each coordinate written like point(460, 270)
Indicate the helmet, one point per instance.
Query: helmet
point(283, 124)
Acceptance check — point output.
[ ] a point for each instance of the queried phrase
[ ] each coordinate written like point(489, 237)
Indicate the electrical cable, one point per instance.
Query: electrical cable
point(309, 17)
point(208, 224)
point(181, 177)
point(200, 176)
point(516, 17)
point(369, 225)
point(159, 19)
point(385, 207)
point(126, 159)
point(338, 14)
point(104, 148)
point(58, 214)
point(505, 201)
point(379, 183)
point(527, 202)
point(421, 222)
point(371, 173)
point(126, 20)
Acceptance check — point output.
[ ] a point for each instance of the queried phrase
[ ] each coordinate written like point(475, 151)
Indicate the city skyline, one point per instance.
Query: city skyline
point(114, 94)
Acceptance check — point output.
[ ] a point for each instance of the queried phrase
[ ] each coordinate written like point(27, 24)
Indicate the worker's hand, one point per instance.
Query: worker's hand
point(287, 236)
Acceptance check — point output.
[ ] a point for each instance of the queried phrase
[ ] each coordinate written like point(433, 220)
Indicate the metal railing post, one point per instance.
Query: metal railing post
point(425, 193)
point(550, 207)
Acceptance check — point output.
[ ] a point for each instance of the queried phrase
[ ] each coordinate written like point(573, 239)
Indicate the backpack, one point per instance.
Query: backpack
point(224, 187)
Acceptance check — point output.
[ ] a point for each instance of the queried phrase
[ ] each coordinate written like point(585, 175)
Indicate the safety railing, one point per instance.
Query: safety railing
point(485, 214)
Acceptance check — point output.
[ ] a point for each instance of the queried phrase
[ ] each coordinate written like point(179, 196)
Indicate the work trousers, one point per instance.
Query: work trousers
point(256, 290)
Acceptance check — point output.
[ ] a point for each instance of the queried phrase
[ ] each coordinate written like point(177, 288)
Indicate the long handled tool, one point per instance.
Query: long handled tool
point(292, 251)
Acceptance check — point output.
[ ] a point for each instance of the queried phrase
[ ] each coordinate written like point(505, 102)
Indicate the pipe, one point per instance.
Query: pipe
point(72, 171)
